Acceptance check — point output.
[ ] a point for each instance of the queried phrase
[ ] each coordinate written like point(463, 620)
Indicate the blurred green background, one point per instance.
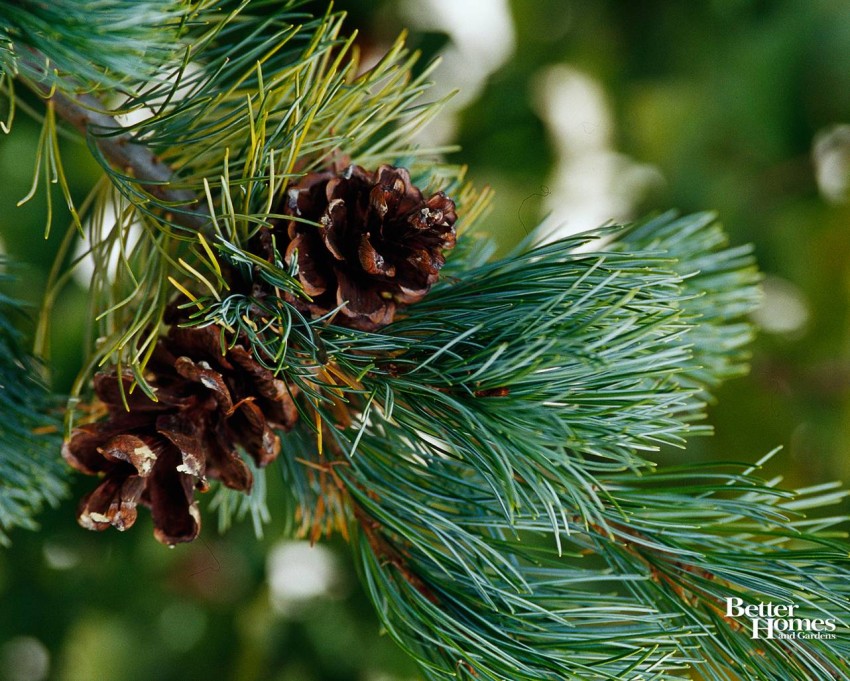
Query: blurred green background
point(580, 111)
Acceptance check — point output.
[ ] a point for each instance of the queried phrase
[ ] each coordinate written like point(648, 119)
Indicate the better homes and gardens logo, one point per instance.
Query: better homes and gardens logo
point(771, 620)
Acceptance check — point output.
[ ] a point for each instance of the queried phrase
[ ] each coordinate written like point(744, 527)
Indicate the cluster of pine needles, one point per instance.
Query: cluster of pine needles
point(490, 454)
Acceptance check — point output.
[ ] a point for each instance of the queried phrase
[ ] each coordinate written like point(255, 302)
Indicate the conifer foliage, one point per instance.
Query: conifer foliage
point(289, 284)
point(30, 474)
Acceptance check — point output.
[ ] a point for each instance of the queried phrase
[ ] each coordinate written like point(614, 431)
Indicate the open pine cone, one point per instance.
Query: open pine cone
point(158, 452)
point(378, 244)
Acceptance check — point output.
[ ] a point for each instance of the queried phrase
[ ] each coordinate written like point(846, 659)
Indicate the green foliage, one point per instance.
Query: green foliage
point(509, 520)
point(105, 44)
point(720, 283)
point(491, 455)
point(31, 472)
point(266, 98)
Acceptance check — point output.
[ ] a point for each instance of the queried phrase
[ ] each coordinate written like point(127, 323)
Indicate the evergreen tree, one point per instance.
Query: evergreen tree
point(290, 283)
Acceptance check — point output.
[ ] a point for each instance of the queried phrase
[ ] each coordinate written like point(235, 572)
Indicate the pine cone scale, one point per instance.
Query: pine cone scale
point(112, 390)
point(275, 397)
point(211, 380)
point(171, 499)
point(130, 449)
point(184, 434)
point(332, 228)
point(113, 503)
point(371, 261)
point(80, 452)
point(224, 462)
point(255, 435)
point(363, 303)
point(314, 282)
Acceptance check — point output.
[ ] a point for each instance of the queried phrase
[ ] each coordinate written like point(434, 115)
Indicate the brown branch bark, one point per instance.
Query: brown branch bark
point(121, 149)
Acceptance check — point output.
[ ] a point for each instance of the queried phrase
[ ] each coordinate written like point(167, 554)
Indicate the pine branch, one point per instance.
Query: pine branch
point(507, 518)
point(489, 454)
point(122, 150)
point(260, 109)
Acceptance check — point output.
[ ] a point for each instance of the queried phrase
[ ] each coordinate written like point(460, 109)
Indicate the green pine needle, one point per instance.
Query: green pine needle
point(31, 471)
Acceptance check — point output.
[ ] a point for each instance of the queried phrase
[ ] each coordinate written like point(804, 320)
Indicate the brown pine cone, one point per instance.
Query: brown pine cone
point(158, 452)
point(366, 241)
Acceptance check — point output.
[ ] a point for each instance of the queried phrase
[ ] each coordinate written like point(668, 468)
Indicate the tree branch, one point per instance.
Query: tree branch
point(121, 148)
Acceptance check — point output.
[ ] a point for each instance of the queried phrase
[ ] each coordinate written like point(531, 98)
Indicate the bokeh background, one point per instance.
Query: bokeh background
point(575, 112)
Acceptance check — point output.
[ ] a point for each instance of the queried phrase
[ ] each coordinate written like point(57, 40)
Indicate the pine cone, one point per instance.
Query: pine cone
point(157, 453)
point(379, 243)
